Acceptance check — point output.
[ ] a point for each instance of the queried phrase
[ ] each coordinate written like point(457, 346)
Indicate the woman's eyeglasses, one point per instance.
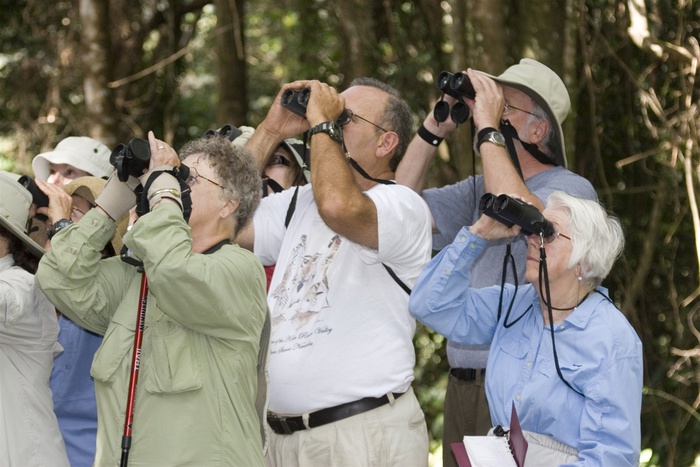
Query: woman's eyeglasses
point(554, 236)
point(348, 116)
point(195, 176)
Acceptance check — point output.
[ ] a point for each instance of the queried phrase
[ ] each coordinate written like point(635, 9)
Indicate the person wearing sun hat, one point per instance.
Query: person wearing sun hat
point(517, 118)
point(28, 342)
point(73, 157)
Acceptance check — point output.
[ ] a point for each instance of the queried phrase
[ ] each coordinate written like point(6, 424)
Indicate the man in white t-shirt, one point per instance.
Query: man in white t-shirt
point(341, 351)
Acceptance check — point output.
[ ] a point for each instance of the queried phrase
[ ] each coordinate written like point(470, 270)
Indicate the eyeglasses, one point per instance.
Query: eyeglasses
point(554, 236)
point(507, 107)
point(195, 176)
point(77, 212)
point(278, 159)
point(348, 116)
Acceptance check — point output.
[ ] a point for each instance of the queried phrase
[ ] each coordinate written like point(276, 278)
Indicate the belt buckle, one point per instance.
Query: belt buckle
point(282, 421)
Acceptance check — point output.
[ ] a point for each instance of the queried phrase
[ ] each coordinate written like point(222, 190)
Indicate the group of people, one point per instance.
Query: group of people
point(313, 365)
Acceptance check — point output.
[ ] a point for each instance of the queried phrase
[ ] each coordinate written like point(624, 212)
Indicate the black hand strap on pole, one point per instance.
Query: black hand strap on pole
point(135, 364)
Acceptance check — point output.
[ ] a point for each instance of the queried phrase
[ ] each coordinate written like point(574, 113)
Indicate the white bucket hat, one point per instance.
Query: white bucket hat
point(549, 92)
point(15, 201)
point(81, 152)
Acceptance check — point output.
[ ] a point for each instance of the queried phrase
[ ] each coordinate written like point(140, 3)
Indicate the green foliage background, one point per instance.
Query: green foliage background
point(633, 130)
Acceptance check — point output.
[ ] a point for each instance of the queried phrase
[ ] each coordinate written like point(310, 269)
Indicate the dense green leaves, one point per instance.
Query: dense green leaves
point(633, 130)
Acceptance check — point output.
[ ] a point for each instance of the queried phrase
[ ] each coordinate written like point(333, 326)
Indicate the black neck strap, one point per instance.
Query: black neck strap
point(216, 247)
point(271, 183)
point(510, 134)
point(361, 171)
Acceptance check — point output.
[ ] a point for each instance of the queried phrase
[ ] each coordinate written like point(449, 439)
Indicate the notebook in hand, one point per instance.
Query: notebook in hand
point(493, 451)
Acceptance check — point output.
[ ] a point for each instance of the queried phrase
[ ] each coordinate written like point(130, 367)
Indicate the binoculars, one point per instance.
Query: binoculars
point(456, 85)
point(510, 211)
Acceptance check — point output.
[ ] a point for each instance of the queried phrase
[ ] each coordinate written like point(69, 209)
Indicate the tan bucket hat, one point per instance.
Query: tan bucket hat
point(15, 201)
point(547, 89)
point(90, 188)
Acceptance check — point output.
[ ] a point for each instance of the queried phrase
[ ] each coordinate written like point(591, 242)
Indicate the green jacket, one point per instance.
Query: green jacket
point(197, 383)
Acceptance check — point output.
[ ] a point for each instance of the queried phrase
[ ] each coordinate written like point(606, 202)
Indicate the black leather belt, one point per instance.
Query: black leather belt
point(288, 425)
point(467, 374)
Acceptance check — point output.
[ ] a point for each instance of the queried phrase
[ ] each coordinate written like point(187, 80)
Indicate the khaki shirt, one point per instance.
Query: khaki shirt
point(197, 383)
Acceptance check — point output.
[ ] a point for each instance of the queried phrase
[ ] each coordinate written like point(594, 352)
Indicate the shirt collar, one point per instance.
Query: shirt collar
point(582, 315)
point(6, 262)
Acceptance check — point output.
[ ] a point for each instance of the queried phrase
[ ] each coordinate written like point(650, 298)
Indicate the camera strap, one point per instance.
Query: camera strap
point(510, 133)
point(143, 206)
point(356, 166)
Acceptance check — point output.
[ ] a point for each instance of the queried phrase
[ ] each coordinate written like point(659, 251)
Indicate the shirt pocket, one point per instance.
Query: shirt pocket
point(177, 366)
point(116, 344)
point(513, 348)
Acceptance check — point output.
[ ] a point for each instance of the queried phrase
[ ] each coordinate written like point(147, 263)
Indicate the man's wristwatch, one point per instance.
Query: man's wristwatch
point(490, 135)
point(57, 227)
point(331, 128)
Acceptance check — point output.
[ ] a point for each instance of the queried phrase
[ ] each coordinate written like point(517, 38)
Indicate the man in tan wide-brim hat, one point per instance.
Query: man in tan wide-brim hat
point(28, 334)
point(517, 118)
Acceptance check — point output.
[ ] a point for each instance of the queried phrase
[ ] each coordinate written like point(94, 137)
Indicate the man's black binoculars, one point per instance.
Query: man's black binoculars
point(456, 85)
point(297, 100)
point(510, 211)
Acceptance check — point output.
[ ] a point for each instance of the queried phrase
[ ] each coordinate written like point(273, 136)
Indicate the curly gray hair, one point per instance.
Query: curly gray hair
point(236, 168)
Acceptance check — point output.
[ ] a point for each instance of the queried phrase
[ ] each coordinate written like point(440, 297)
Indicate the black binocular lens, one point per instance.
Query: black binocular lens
point(296, 101)
point(511, 211)
point(462, 85)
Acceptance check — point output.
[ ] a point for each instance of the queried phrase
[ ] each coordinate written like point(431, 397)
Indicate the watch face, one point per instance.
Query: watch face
point(497, 137)
point(331, 128)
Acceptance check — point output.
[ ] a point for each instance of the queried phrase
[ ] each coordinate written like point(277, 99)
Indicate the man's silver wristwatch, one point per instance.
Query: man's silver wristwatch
point(490, 135)
point(331, 128)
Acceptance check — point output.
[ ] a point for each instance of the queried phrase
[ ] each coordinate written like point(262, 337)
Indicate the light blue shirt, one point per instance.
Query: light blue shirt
point(74, 392)
point(599, 353)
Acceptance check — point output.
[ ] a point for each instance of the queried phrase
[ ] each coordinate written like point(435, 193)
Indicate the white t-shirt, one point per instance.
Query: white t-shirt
point(341, 329)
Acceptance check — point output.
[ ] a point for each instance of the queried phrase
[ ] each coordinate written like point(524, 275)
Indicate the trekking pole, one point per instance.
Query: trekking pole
point(135, 363)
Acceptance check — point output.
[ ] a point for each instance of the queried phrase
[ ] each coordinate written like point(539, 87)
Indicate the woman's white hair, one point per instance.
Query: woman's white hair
point(597, 237)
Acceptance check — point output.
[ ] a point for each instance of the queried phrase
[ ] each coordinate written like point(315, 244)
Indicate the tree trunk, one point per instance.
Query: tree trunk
point(231, 64)
point(96, 63)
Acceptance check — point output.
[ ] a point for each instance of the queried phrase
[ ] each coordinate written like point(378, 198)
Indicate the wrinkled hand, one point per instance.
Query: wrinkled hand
point(325, 104)
point(489, 228)
point(161, 153)
point(60, 202)
point(487, 108)
point(281, 123)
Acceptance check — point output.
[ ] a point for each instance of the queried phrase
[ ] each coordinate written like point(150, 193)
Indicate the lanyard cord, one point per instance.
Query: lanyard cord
point(545, 276)
point(506, 259)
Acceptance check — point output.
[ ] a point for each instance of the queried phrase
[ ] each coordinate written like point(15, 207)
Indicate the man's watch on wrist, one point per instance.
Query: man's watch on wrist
point(57, 227)
point(490, 135)
point(331, 128)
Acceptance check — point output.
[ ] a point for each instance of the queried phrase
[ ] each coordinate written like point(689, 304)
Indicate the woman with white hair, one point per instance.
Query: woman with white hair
point(561, 351)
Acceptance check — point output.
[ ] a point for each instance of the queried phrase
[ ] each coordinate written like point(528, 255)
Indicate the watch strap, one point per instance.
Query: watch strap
point(331, 128)
point(58, 226)
point(481, 137)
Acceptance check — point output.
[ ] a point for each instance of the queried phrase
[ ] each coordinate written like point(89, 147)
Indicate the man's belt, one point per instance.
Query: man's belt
point(467, 374)
point(288, 425)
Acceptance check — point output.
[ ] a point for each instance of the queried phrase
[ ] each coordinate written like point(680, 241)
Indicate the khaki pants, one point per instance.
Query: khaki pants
point(466, 413)
point(391, 435)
